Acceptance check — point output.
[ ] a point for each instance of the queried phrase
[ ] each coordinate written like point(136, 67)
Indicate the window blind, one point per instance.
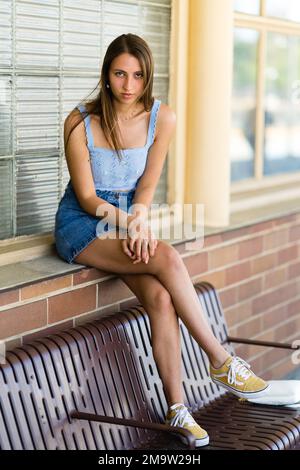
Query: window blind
point(51, 54)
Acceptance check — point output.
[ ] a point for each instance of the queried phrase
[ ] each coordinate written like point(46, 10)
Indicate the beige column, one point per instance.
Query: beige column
point(207, 177)
point(178, 70)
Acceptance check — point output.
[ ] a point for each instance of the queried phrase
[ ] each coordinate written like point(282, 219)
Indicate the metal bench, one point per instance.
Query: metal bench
point(96, 386)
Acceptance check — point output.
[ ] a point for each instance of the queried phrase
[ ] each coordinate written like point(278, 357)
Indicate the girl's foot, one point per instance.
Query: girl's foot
point(236, 376)
point(178, 415)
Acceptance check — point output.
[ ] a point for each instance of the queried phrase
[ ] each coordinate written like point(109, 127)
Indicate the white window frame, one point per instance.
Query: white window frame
point(263, 25)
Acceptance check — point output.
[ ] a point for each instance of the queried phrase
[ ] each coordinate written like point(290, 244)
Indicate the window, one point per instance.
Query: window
point(244, 104)
point(247, 6)
point(50, 56)
point(285, 9)
point(266, 91)
point(282, 112)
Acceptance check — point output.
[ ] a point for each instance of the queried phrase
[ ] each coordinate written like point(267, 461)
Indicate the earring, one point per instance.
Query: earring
point(107, 85)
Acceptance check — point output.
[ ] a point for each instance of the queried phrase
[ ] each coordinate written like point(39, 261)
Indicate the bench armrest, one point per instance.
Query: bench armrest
point(271, 344)
point(136, 424)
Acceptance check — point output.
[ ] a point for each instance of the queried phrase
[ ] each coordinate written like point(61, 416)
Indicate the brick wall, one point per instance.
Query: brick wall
point(256, 270)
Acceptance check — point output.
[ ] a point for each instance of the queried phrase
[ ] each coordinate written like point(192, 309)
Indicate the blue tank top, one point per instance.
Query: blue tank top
point(111, 173)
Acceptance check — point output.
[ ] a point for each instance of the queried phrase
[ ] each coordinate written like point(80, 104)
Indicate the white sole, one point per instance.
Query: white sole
point(198, 442)
point(239, 393)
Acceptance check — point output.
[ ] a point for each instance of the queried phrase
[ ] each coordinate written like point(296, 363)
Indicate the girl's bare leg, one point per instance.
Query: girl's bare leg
point(187, 305)
point(168, 267)
point(165, 333)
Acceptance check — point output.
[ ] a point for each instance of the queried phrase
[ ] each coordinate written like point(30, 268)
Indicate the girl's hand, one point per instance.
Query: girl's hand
point(142, 240)
point(126, 249)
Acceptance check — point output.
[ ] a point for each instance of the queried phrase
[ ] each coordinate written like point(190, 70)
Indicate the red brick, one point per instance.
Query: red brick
point(232, 331)
point(180, 247)
point(196, 264)
point(249, 289)
point(294, 270)
point(101, 312)
point(229, 235)
point(256, 365)
point(190, 247)
point(222, 256)
point(293, 307)
point(9, 297)
point(228, 296)
point(129, 303)
point(271, 360)
point(287, 254)
point(27, 317)
point(70, 304)
point(113, 291)
point(286, 219)
point(41, 288)
point(275, 316)
point(216, 278)
point(279, 362)
point(274, 297)
point(273, 355)
point(287, 329)
point(238, 272)
point(238, 313)
point(278, 238)
point(47, 331)
point(241, 350)
point(246, 231)
point(279, 370)
point(249, 248)
point(250, 328)
point(275, 278)
point(263, 263)
point(266, 336)
point(211, 240)
point(253, 350)
point(87, 275)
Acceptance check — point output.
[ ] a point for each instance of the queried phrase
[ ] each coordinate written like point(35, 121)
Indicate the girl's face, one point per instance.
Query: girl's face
point(126, 76)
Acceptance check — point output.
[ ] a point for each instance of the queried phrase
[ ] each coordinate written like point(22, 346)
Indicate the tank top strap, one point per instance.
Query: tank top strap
point(153, 120)
point(87, 124)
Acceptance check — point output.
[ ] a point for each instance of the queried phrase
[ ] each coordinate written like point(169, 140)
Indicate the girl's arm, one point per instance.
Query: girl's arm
point(166, 124)
point(145, 190)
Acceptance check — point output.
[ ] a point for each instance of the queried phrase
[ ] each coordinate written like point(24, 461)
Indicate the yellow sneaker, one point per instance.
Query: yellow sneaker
point(178, 415)
point(236, 376)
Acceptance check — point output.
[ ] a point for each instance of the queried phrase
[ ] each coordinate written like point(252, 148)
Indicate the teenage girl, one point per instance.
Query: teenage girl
point(115, 147)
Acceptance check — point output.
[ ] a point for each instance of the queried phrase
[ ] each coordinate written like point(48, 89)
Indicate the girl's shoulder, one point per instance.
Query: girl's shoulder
point(166, 118)
point(166, 111)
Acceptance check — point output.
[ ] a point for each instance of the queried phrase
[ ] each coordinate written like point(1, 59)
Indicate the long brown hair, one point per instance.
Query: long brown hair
point(102, 105)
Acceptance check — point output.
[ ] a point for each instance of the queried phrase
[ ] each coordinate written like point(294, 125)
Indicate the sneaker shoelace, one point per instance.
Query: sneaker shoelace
point(238, 367)
point(182, 418)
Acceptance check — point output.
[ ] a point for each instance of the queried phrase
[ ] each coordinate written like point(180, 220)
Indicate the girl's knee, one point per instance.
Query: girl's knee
point(155, 297)
point(168, 256)
point(160, 300)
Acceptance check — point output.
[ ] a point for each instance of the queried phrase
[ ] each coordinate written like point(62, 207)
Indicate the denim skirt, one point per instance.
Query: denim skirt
point(75, 228)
